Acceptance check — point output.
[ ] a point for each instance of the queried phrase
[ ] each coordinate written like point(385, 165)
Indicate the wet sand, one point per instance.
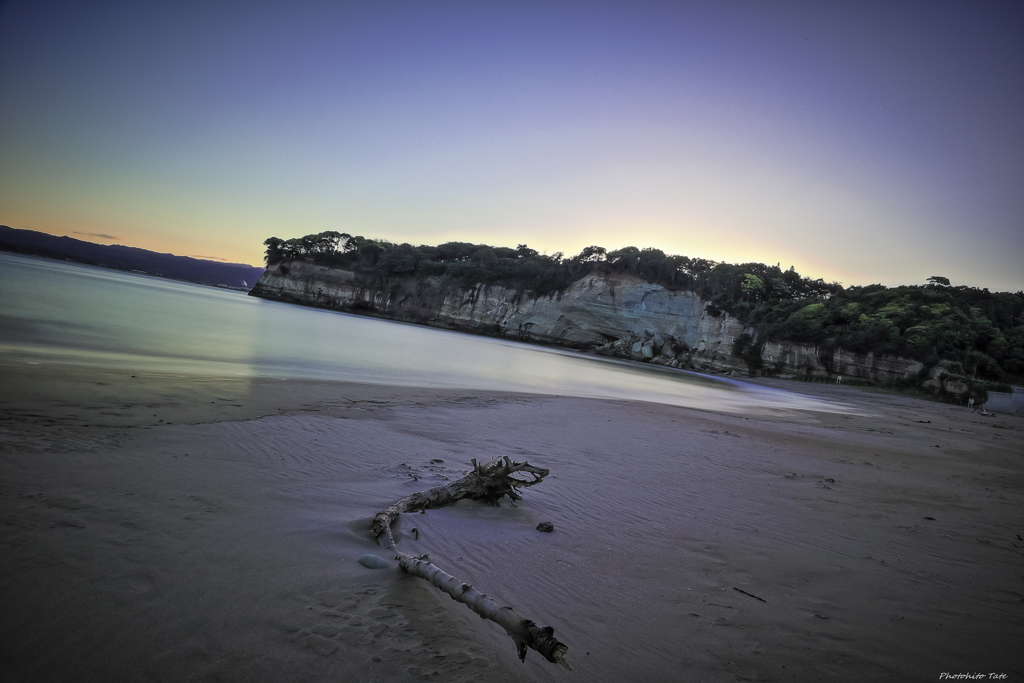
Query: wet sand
point(180, 528)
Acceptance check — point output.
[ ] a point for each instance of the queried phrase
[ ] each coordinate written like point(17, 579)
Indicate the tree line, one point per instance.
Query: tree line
point(982, 331)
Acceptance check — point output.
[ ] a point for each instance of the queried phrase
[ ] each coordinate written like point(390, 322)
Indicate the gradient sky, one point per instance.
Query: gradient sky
point(859, 141)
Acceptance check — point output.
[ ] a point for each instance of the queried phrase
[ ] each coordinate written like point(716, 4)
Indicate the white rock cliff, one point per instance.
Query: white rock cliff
point(616, 315)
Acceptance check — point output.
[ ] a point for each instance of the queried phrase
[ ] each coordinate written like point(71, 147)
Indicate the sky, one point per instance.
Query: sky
point(861, 142)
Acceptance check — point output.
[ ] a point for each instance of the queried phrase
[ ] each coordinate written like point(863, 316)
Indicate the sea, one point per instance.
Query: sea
point(61, 313)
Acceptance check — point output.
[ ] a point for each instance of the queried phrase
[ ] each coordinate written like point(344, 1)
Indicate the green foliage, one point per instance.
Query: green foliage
point(809, 323)
point(981, 330)
point(381, 263)
point(321, 244)
point(752, 286)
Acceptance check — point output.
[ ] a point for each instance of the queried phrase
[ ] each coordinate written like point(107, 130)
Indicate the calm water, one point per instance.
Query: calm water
point(56, 312)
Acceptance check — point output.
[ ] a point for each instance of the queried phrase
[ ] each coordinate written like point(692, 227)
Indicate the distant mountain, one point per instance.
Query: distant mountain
point(235, 275)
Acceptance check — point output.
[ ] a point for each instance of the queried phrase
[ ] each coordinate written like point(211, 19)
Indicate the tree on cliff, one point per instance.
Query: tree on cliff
point(322, 244)
point(752, 286)
point(275, 250)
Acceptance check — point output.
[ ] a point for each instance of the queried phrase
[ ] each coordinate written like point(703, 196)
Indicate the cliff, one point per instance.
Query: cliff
point(818, 361)
point(615, 315)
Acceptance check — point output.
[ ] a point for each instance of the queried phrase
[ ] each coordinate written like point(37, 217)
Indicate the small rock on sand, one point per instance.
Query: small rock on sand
point(546, 526)
point(374, 562)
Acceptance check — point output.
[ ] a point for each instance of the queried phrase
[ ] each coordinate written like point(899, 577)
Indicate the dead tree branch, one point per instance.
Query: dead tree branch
point(523, 631)
point(487, 482)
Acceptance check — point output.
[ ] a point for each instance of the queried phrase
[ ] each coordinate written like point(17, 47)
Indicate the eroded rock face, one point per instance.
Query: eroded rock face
point(610, 315)
point(616, 315)
point(810, 360)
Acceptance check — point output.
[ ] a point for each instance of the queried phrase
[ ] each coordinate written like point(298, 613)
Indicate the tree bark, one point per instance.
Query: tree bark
point(487, 482)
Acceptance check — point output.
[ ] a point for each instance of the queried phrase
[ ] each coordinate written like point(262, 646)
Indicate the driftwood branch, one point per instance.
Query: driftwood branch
point(523, 631)
point(487, 482)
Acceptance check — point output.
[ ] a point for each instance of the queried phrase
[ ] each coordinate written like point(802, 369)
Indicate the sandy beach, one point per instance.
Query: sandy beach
point(171, 528)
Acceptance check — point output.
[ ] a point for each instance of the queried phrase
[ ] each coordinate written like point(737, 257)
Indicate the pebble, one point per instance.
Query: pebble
point(546, 526)
point(374, 562)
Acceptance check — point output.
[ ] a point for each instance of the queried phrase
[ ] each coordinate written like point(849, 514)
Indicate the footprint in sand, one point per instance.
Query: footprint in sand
point(404, 630)
point(325, 630)
point(351, 635)
point(321, 645)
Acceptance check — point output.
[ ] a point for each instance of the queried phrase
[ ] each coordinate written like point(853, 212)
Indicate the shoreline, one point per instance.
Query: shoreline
point(554, 347)
point(223, 541)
